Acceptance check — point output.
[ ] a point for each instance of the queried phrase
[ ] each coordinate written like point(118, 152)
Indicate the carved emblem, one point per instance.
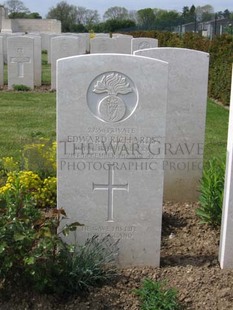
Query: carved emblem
point(121, 99)
point(143, 45)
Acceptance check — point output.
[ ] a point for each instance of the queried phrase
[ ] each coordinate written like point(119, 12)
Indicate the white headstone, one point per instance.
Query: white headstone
point(103, 45)
point(111, 126)
point(123, 44)
point(37, 59)
point(20, 61)
point(143, 43)
point(1, 62)
point(226, 245)
point(186, 115)
point(63, 46)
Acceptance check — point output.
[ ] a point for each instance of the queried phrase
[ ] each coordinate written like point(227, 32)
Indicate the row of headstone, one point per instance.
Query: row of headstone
point(123, 119)
point(58, 46)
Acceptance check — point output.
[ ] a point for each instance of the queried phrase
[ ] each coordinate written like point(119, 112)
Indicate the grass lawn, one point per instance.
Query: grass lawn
point(25, 116)
point(216, 131)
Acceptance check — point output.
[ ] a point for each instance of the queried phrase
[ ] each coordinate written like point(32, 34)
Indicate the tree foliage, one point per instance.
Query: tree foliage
point(116, 12)
point(74, 18)
point(16, 6)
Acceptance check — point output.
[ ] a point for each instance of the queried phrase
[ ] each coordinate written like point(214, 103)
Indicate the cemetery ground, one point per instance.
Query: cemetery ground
point(189, 254)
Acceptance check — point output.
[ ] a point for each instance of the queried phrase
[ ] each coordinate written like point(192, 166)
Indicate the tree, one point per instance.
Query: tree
point(188, 14)
point(204, 13)
point(166, 20)
point(146, 18)
point(116, 12)
point(87, 17)
point(15, 7)
point(91, 18)
point(66, 13)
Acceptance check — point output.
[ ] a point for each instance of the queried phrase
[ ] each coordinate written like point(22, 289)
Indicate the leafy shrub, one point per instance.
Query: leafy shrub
point(40, 157)
point(33, 255)
point(42, 192)
point(21, 87)
point(29, 242)
point(155, 296)
point(211, 193)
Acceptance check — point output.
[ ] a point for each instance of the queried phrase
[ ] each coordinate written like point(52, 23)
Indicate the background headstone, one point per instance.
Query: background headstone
point(1, 62)
point(226, 244)
point(20, 61)
point(143, 43)
point(111, 126)
point(37, 59)
point(186, 116)
point(103, 45)
point(63, 46)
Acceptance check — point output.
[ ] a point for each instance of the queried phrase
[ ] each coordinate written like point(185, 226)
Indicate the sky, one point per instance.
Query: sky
point(43, 6)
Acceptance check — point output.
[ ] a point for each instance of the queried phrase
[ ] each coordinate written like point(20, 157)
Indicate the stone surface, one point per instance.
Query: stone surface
point(143, 43)
point(63, 46)
point(226, 245)
point(37, 59)
point(123, 44)
point(186, 114)
point(103, 45)
point(111, 112)
point(1, 62)
point(20, 61)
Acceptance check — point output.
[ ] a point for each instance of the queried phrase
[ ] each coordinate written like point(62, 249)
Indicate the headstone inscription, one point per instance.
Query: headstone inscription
point(186, 115)
point(226, 246)
point(20, 61)
point(111, 112)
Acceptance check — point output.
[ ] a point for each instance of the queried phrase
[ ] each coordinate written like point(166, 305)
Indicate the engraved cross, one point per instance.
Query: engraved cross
point(110, 187)
point(20, 61)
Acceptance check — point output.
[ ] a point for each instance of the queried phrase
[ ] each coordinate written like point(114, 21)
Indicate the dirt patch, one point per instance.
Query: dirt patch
point(189, 262)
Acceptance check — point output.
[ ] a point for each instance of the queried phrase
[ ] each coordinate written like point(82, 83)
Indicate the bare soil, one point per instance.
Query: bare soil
point(189, 262)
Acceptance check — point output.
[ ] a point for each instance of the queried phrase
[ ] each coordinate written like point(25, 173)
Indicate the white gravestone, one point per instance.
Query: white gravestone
point(111, 112)
point(226, 245)
point(1, 62)
point(37, 59)
point(20, 61)
point(186, 115)
point(103, 45)
point(123, 44)
point(63, 46)
point(143, 43)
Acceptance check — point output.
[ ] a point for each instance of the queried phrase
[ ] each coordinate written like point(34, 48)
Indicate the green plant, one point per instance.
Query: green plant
point(42, 191)
point(88, 265)
point(21, 87)
point(40, 157)
point(31, 251)
point(154, 295)
point(211, 192)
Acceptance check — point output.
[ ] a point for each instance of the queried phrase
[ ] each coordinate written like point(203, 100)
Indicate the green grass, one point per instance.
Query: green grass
point(24, 118)
point(46, 70)
point(216, 131)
